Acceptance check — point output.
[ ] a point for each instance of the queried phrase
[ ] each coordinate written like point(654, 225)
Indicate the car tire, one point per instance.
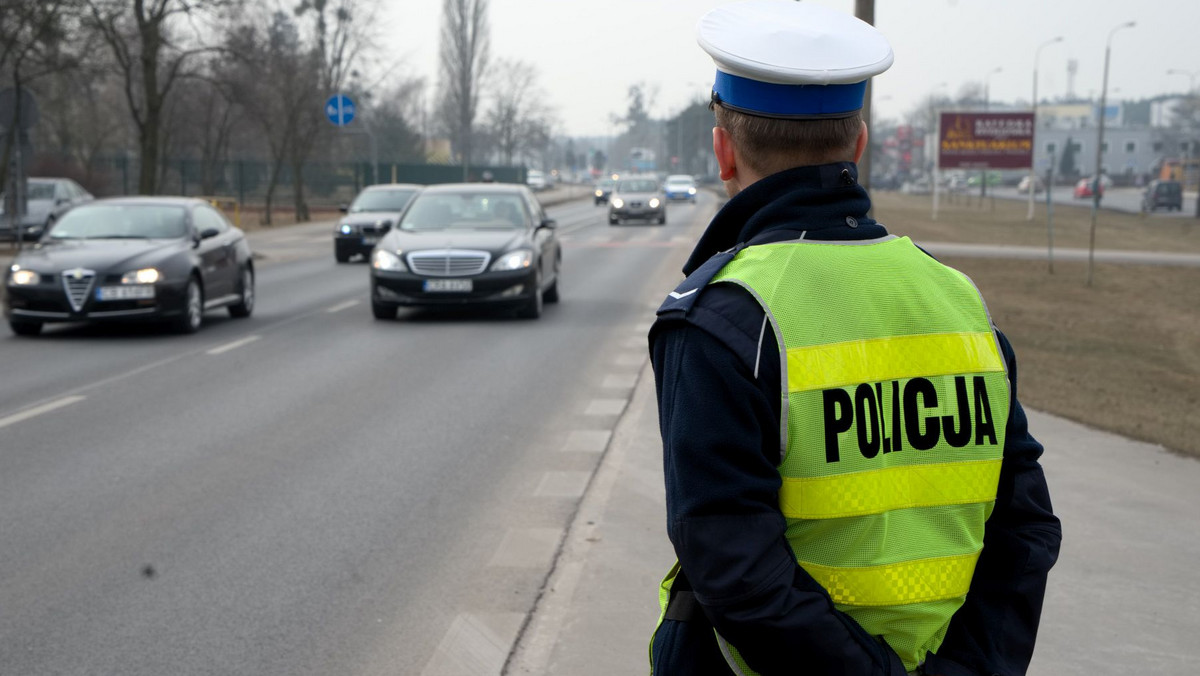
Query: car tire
point(662, 220)
point(382, 311)
point(25, 328)
point(192, 316)
point(533, 307)
point(245, 306)
point(551, 294)
point(613, 220)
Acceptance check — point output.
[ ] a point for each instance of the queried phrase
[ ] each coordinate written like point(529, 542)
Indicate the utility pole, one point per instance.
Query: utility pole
point(865, 10)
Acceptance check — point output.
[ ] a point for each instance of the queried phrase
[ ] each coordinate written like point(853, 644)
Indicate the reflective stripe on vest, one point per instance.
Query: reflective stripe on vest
point(895, 400)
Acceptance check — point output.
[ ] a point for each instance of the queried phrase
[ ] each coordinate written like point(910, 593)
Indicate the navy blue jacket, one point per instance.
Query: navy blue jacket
point(717, 377)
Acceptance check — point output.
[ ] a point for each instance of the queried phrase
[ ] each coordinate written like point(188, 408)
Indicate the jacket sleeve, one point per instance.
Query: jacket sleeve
point(719, 426)
point(995, 630)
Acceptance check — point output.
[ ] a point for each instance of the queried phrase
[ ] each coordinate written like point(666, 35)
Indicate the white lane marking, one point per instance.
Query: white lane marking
point(605, 407)
point(527, 548)
point(562, 484)
point(39, 410)
point(342, 306)
point(234, 345)
point(475, 645)
point(587, 441)
point(620, 381)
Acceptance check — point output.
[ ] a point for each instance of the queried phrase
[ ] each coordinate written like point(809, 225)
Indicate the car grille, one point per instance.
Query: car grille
point(78, 284)
point(635, 205)
point(448, 262)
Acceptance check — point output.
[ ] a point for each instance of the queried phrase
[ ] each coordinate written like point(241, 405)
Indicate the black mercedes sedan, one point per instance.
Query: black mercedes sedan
point(485, 244)
point(372, 213)
point(132, 258)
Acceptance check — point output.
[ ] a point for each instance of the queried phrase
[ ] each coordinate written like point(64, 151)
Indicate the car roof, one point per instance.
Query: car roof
point(476, 187)
point(151, 200)
point(393, 186)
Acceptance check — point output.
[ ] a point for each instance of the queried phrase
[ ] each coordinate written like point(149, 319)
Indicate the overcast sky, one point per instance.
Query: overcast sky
point(588, 53)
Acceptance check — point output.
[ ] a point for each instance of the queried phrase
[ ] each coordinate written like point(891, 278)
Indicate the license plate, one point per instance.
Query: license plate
point(450, 285)
point(369, 241)
point(124, 292)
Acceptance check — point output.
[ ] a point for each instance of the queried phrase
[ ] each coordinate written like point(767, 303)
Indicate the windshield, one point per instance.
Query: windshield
point(637, 185)
point(40, 191)
point(381, 200)
point(466, 211)
point(606, 184)
point(680, 180)
point(121, 221)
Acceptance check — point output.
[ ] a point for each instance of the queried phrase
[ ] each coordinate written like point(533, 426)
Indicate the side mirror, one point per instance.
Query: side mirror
point(343, 207)
point(209, 233)
point(549, 223)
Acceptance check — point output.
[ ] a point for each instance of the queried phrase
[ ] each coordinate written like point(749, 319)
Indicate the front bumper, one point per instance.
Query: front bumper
point(47, 302)
point(355, 243)
point(681, 196)
point(644, 211)
point(495, 289)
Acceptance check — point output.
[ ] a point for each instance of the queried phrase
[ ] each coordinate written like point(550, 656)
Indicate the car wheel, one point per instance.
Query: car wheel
point(612, 220)
point(382, 311)
point(551, 294)
point(192, 316)
point(25, 328)
point(662, 220)
point(341, 256)
point(533, 307)
point(245, 306)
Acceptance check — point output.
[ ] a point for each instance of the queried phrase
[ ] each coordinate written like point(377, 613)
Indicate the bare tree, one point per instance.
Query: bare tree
point(151, 55)
point(518, 116)
point(464, 60)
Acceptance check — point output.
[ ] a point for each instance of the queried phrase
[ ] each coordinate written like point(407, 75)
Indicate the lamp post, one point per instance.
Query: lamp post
point(987, 89)
point(932, 146)
point(1032, 171)
point(1100, 147)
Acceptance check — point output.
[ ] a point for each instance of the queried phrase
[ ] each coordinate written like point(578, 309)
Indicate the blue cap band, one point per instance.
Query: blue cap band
point(766, 99)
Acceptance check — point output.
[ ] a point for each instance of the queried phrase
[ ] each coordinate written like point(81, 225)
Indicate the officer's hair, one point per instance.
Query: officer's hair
point(769, 145)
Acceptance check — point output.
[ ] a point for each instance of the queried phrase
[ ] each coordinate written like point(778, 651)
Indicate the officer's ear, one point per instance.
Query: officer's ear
point(860, 146)
point(726, 156)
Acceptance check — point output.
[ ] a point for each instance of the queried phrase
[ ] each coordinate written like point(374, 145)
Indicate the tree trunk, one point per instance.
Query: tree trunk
point(298, 191)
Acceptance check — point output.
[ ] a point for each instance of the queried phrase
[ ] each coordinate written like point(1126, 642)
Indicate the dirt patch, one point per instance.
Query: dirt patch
point(1121, 355)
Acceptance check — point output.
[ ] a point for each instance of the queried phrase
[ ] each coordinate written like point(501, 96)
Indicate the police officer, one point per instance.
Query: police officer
point(851, 483)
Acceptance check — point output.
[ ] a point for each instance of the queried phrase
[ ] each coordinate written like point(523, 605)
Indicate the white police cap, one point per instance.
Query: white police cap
point(791, 60)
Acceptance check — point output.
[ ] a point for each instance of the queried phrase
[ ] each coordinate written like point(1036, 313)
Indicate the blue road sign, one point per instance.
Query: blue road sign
point(339, 109)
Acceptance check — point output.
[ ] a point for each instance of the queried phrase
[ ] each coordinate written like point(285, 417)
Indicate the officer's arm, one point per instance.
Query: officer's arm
point(720, 442)
point(994, 631)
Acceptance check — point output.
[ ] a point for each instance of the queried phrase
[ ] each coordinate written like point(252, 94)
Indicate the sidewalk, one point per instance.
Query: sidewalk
point(1124, 597)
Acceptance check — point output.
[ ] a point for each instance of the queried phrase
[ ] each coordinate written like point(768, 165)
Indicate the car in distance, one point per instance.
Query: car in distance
point(636, 198)
point(46, 199)
point(1168, 194)
point(372, 213)
point(1084, 187)
point(603, 190)
point(680, 187)
point(536, 180)
point(132, 258)
point(468, 244)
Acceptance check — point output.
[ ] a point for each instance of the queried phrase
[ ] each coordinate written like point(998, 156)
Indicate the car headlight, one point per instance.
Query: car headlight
point(691, 191)
point(383, 259)
point(22, 277)
point(514, 260)
point(617, 202)
point(346, 229)
point(599, 193)
point(143, 276)
point(654, 202)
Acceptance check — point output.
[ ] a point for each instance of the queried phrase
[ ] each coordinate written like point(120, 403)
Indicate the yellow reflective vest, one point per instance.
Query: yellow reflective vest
point(895, 400)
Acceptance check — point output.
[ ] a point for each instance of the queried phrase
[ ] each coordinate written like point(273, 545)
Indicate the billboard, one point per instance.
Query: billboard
point(985, 141)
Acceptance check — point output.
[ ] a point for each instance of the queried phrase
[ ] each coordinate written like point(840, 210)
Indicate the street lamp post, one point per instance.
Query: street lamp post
point(1100, 147)
point(987, 89)
point(1032, 171)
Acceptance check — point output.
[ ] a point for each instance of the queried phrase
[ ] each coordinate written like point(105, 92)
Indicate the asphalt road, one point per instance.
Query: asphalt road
point(311, 491)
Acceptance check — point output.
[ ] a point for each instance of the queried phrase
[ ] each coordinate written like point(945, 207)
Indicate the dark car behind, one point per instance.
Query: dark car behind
point(369, 217)
point(1163, 194)
point(138, 258)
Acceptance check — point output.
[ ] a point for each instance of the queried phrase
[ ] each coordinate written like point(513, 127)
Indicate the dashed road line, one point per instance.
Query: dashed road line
point(342, 306)
point(476, 644)
point(39, 410)
point(222, 349)
point(622, 381)
point(527, 548)
point(562, 484)
point(605, 407)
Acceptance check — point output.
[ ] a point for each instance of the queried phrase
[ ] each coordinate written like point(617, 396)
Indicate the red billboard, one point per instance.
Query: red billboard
point(985, 141)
